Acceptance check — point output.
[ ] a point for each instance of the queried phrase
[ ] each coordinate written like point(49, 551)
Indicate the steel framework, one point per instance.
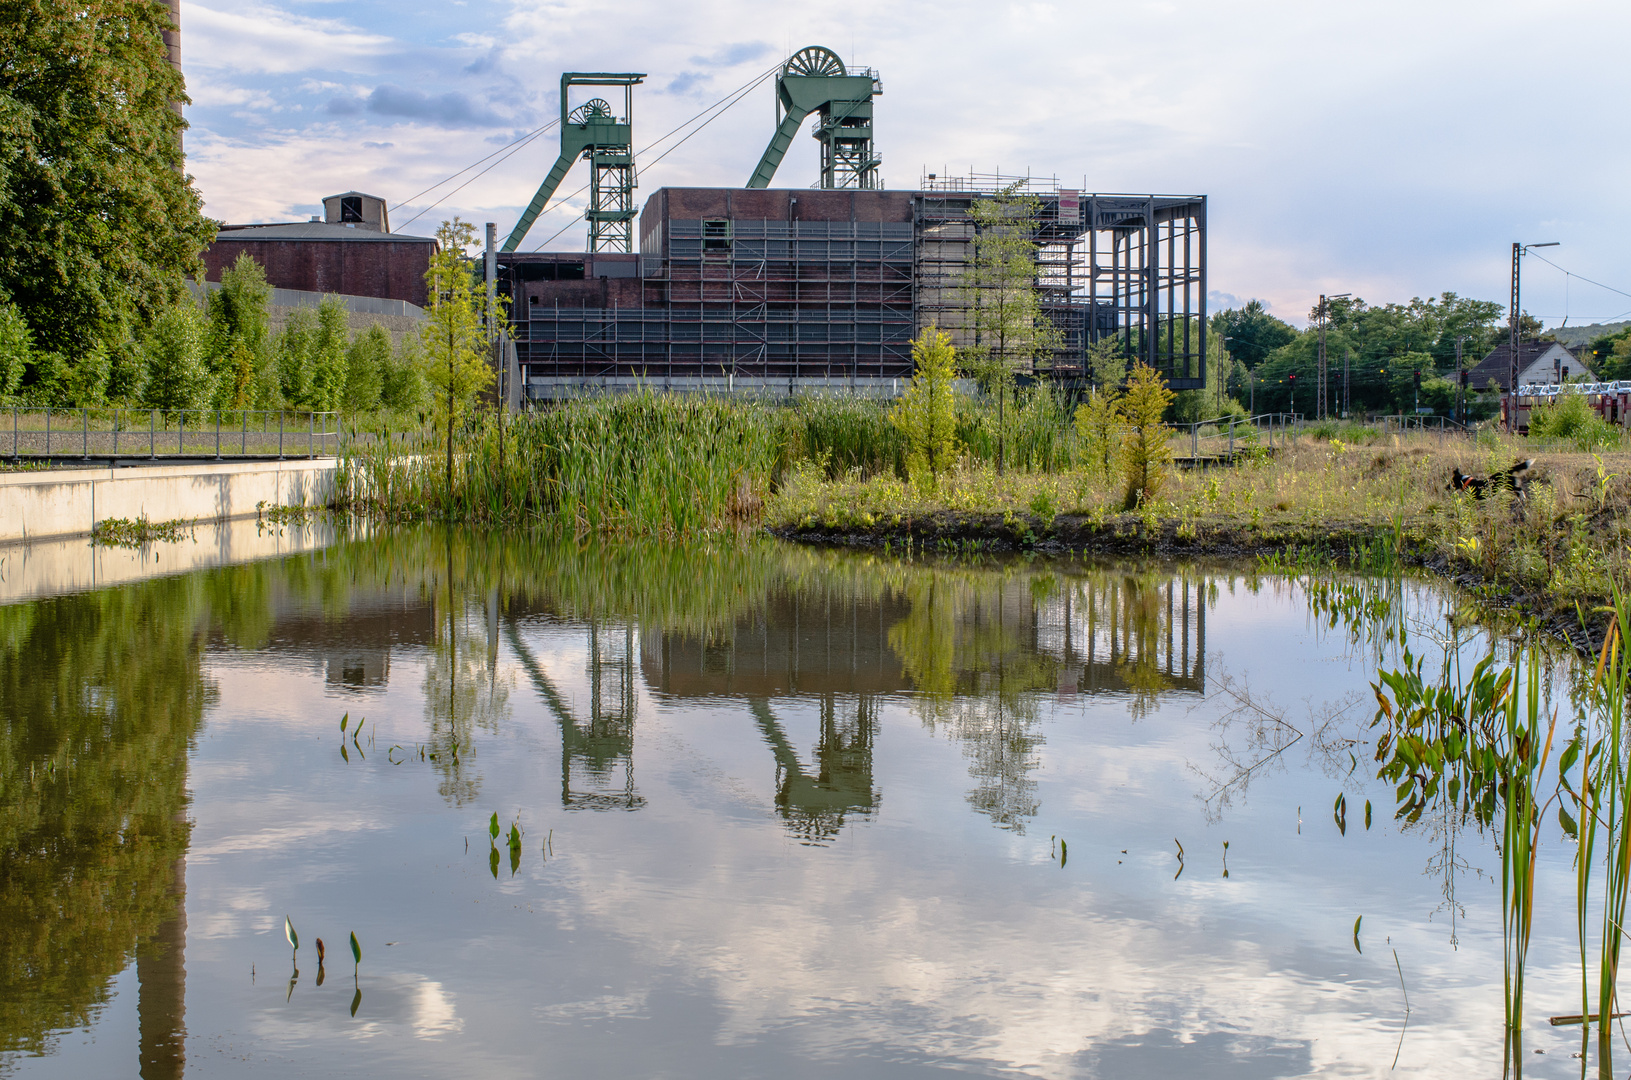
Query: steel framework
point(594, 132)
point(1127, 267)
point(814, 80)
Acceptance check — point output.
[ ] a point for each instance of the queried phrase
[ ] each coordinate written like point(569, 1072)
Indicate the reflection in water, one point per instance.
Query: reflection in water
point(100, 697)
point(821, 656)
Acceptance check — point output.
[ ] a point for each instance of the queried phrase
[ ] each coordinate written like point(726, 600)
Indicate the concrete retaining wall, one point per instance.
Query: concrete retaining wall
point(69, 502)
point(56, 567)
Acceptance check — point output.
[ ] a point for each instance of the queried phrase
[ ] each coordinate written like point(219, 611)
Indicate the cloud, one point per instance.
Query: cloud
point(263, 39)
point(687, 81)
point(451, 109)
point(730, 55)
point(343, 106)
point(378, 145)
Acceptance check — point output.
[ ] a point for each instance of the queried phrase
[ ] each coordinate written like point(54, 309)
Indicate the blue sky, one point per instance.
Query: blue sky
point(1390, 149)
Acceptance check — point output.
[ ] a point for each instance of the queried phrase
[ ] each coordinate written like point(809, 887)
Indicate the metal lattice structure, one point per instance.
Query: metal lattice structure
point(814, 80)
point(1127, 267)
point(594, 132)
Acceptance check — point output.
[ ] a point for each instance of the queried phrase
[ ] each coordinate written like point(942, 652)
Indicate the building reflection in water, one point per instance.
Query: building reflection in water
point(974, 650)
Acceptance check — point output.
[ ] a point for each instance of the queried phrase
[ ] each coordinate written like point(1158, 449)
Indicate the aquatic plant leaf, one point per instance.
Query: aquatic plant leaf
point(1063, 853)
point(492, 862)
point(344, 756)
point(356, 1000)
point(356, 949)
point(1570, 829)
point(288, 932)
point(1367, 815)
point(1357, 949)
point(343, 721)
point(492, 826)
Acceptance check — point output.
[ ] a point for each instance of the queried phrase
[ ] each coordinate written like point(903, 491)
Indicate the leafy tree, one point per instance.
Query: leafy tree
point(402, 379)
point(16, 350)
point(1252, 331)
point(127, 373)
point(365, 364)
point(177, 374)
point(240, 345)
point(1098, 430)
point(98, 224)
point(1145, 453)
point(295, 346)
point(1011, 333)
point(454, 341)
point(328, 354)
point(927, 414)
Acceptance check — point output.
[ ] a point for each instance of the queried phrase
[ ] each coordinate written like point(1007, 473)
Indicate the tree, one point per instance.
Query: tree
point(328, 353)
point(1011, 333)
point(1145, 453)
point(1252, 331)
point(1098, 419)
point(927, 414)
point(454, 340)
point(98, 223)
point(177, 377)
point(365, 364)
point(402, 379)
point(16, 350)
point(295, 345)
point(240, 346)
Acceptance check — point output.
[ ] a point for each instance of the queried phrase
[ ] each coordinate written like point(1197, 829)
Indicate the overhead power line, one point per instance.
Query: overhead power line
point(528, 137)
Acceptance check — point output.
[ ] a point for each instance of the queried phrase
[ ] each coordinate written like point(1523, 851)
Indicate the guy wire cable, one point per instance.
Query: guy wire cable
point(525, 138)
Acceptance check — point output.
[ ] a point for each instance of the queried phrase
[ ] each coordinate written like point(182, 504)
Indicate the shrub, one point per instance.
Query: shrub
point(1145, 453)
point(927, 415)
point(1572, 419)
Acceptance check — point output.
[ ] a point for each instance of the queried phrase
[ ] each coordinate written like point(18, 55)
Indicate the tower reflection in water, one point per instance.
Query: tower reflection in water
point(975, 651)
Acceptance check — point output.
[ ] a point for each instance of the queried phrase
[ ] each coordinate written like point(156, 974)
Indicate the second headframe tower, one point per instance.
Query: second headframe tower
point(814, 80)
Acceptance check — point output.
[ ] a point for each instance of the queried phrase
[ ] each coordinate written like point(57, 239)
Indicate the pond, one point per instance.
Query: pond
point(752, 810)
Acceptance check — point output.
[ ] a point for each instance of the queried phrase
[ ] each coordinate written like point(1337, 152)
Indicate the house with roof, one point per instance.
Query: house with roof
point(1538, 362)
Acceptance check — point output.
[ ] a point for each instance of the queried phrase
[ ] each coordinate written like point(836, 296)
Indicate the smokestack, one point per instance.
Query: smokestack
point(172, 45)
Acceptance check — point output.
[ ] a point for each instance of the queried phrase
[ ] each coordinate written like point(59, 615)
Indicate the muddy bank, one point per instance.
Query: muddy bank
point(1360, 546)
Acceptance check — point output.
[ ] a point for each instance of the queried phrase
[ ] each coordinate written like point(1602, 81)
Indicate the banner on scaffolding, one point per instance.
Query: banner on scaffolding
point(1070, 207)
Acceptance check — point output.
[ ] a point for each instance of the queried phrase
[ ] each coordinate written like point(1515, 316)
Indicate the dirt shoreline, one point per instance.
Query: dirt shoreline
point(1342, 542)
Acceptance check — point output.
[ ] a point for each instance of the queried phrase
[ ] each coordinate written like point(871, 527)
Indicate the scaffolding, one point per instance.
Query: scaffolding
point(1127, 267)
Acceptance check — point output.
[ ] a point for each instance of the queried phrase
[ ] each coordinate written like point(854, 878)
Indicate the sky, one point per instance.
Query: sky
point(1389, 149)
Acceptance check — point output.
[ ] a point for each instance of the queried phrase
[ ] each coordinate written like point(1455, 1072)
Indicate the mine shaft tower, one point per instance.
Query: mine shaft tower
point(814, 80)
point(594, 132)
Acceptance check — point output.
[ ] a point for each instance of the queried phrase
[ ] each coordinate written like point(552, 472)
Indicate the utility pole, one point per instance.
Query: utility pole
point(1347, 396)
point(1515, 318)
point(1320, 410)
point(1461, 383)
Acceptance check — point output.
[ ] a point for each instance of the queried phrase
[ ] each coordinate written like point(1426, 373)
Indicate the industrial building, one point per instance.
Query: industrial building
point(784, 290)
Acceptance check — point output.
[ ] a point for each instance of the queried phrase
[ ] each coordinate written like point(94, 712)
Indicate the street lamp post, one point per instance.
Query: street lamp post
point(1512, 365)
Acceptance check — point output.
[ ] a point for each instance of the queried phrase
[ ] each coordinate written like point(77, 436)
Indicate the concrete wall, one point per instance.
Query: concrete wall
point(56, 567)
point(69, 502)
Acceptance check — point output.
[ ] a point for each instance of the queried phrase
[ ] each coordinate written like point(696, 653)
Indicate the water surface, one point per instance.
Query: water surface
point(780, 813)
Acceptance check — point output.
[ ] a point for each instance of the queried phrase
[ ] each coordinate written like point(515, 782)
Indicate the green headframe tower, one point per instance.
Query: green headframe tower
point(814, 80)
point(593, 131)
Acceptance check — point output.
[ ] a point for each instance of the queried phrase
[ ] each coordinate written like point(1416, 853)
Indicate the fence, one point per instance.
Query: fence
point(178, 433)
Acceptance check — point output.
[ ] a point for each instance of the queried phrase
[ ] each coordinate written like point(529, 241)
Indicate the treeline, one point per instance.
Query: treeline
point(1381, 348)
point(221, 354)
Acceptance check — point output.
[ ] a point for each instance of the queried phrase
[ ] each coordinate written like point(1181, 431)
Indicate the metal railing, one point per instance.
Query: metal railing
point(1223, 437)
point(1403, 422)
point(172, 433)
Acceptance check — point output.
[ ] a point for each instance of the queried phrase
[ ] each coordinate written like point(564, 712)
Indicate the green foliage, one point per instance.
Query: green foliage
point(1252, 331)
point(1107, 363)
point(365, 365)
point(844, 432)
point(402, 379)
point(453, 338)
point(329, 345)
point(1145, 454)
point(99, 224)
point(927, 414)
point(1571, 418)
point(1098, 432)
point(295, 346)
point(177, 375)
point(1004, 309)
point(639, 464)
point(16, 351)
point(240, 345)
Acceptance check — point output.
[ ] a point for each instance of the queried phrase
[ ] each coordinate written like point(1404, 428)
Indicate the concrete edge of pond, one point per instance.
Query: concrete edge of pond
point(61, 503)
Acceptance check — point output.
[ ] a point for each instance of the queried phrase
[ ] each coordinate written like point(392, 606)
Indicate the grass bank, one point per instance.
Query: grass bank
point(1311, 501)
point(831, 470)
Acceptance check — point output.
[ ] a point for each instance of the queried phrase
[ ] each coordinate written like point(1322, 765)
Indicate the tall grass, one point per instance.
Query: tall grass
point(636, 464)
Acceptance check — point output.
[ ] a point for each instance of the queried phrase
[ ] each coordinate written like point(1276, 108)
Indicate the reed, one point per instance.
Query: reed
point(1612, 787)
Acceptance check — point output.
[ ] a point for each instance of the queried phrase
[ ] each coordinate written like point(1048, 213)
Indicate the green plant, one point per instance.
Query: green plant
point(1145, 453)
point(926, 416)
